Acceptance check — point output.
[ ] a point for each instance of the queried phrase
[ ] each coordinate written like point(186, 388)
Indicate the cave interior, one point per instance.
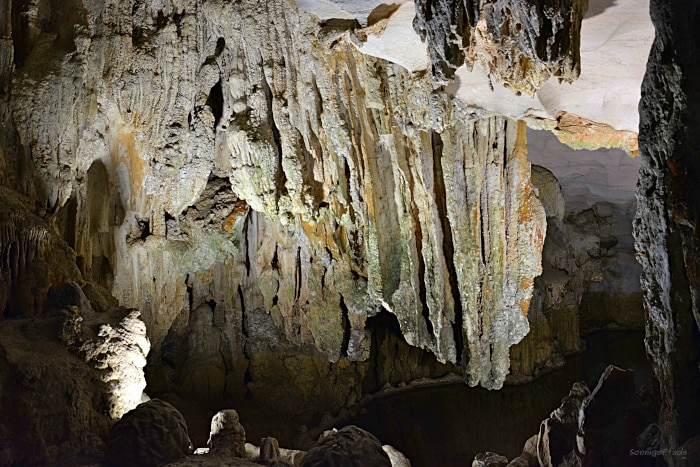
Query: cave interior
point(349, 232)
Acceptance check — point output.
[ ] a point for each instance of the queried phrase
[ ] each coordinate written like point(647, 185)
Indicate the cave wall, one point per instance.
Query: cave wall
point(666, 224)
point(259, 189)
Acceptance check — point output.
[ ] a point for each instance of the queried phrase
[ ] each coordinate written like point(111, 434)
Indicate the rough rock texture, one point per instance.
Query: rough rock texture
point(666, 227)
point(348, 447)
point(227, 434)
point(565, 301)
point(152, 434)
point(262, 166)
point(521, 43)
point(489, 459)
point(601, 432)
point(119, 353)
point(32, 258)
point(269, 451)
point(581, 133)
point(53, 406)
point(615, 42)
point(397, 458)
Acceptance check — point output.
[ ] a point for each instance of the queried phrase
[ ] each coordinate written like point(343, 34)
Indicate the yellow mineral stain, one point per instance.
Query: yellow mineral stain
point(126, 152)
point(525, 306)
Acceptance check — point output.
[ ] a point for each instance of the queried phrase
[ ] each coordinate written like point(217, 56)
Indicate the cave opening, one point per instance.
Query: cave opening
point(596, 189)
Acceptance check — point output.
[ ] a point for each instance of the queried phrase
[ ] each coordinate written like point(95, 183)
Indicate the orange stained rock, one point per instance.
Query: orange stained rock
point(524, 306)
point(229, 222)
point(240, 208)
point(525, 210)
point(580, 133)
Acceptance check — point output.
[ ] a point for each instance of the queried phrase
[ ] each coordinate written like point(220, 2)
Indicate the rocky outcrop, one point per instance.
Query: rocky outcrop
point(53, 406)
point(519, 43)
point(347, 447)
point(152, 434)
point(589, 427)
point(227, 435)
point(666, 226)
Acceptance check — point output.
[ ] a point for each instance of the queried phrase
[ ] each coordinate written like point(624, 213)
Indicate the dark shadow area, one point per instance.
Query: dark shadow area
point(596, 7)
point(450, 424)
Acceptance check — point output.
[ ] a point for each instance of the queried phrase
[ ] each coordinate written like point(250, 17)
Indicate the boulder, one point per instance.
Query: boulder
point(348, 447)
point(152, 434)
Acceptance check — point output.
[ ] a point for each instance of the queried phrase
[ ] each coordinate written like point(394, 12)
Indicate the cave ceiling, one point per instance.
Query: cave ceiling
point(616, 36)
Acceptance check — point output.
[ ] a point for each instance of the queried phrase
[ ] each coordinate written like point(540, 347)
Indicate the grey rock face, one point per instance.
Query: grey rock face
point(666, 226)
point(521, 43)
point(152, 434)
point(227, 435)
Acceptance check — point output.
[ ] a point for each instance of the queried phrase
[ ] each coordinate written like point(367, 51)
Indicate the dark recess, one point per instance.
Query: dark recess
point(346, 328)
point(20, 32)
point(448, 249)
point(215, 101)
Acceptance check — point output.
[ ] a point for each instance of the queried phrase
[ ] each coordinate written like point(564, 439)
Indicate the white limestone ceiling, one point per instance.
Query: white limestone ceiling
point(345, 9)
point(616, 36)
point(399, 43)
point(615, 43)
point(604, 178)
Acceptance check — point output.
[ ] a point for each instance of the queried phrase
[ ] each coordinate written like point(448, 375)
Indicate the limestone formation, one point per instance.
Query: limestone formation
point(120, 354)
point(266, 184)
point(666, 224)
point(269, 451)
point(227, 435)
point(397, 458)
point(152, 434)
point(53, 405)
point(588, 428)
point(602, 428)
point(519, 43)
point(489, 459)
point(32, 258)
point(267, 164)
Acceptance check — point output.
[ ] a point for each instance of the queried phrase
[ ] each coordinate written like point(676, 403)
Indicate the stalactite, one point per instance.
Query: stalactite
point(368, 182)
